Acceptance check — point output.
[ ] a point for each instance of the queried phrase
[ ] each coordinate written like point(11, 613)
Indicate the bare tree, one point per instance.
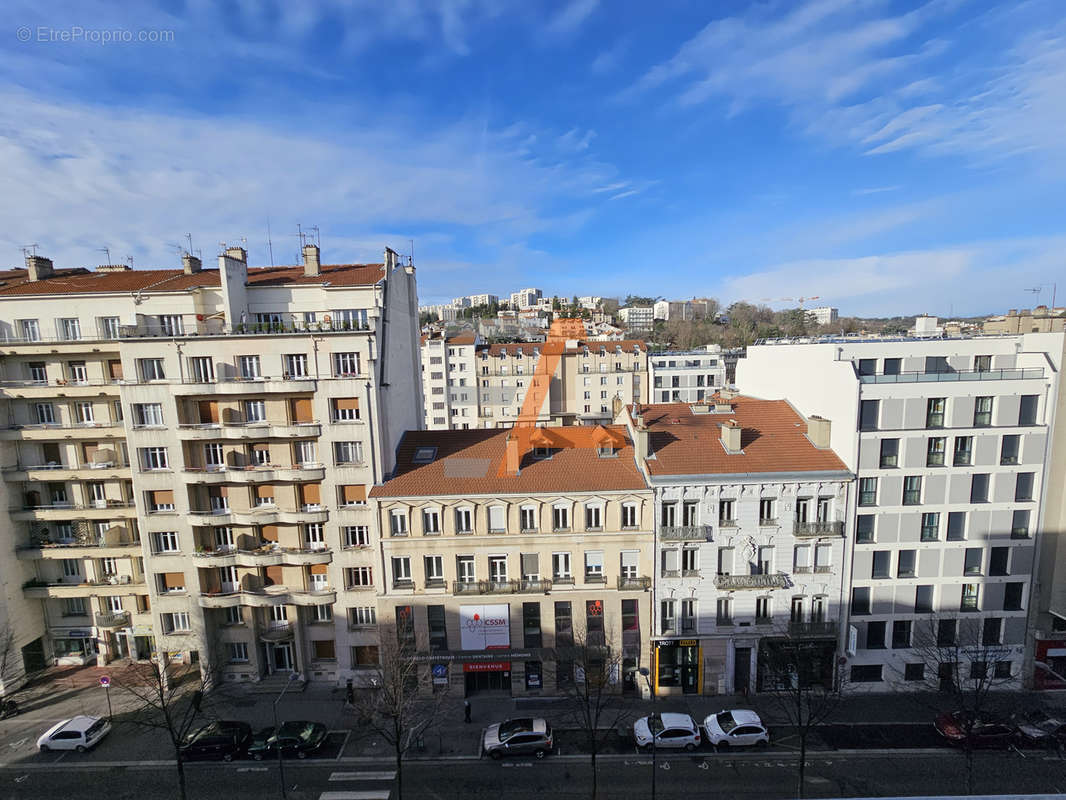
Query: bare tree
point(799, 674)
point(593, 698)
point(964, 663)
point(403, 703)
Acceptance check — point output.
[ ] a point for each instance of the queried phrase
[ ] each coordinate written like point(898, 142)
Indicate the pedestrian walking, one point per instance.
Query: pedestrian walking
point(466, 710)
point(349, 694)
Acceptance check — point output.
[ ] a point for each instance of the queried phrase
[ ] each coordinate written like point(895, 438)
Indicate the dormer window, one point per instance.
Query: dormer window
point(605, 452)
point(542, 452)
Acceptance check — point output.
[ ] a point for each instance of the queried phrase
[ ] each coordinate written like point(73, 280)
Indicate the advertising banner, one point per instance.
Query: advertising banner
point(485, 627)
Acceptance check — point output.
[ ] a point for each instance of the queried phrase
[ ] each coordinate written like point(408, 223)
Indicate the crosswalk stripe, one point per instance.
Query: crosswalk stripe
point(385, 775)
point(379, 794)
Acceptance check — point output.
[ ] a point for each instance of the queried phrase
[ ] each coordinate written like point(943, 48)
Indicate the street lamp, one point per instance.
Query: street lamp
point(277, 735)
point(646, 674)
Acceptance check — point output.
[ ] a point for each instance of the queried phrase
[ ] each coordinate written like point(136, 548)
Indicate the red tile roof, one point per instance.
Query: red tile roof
point(15, 283)
point(469, 462)
point(773, 439)
point(627, 345)
point(464, 338)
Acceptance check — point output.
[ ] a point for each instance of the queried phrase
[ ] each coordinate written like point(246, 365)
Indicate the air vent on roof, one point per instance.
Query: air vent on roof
point(700, 408)
point(424, 455)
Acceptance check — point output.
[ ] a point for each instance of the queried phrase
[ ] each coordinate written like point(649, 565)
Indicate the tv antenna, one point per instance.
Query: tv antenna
point(106, 251)
point(270, 244)
point(188, 238)
point(1038, 290)
point(318, 239)
point(30, 249)
point(129, 260)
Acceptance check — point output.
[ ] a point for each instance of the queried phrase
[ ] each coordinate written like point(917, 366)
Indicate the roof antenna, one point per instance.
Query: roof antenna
point(30, 250)
point(412, 241)
point(270, 244)
point(106, 251)
point(129, 260)
point(188, 238)
point(318, 240)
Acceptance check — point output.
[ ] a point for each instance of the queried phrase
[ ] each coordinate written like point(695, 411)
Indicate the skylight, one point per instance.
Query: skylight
point(424, 455)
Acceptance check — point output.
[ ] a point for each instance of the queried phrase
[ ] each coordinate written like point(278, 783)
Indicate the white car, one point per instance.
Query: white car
point(77, 733)
point(672, 731)
point(736, 728)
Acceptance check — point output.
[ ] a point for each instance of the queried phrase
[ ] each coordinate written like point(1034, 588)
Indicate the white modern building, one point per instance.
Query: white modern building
point(686, 377)
point(637, 318)
point(824, 315)
point(949, 439)
point(483, 299)
point(449, 384)
point(525, 298)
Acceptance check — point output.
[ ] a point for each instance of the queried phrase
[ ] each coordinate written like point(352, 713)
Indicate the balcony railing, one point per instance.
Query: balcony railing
point(774, 581)
point(813, 629)
point(685, 533)
point(634, 583)
point(957, 376)
point(117, 619)
point(819, 529)
point(538, 586)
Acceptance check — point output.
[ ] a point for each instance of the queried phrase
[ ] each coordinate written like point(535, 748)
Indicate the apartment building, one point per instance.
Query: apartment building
point(637, 319)
point(751, 510)
point(470, 384)
point(824, 315)
point(502, 549)
point(689, 376)
point(188, 454)
point(526, 299)
point(949, 439)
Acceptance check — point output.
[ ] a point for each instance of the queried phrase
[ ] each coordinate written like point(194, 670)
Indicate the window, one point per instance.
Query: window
point(982, 412)
point(159, 500)
point(165, 542)
point(171, 325)
point(767, 511)
point(801, 558)
point(528, 518)
point(401, 571)
point(914, 671)
point(154, 458)
point(727, 512)
point(668, 515)
point(901, 634)
point(151, 369)
point(348, 452)
point(889, 453)
point(249, 367)
point(564, 624)
point(860, 600)
point(963, 451)
point(70, 329)
point(1027, 409)
point(972, 561)
point(629, 515)
point(969, 597)
point(464, 520)
point(201, 369)
point(912, 490)
point(1002, 670)
point(358, 576)
point(254, 411)
point(688, 615)
point(346, 409)
point(934, 412)
point(875, 635)
point(864, 528)
point(561, 518)
point(937, 364)
point(930, 526)
point(725, 560)
point(365, 656)
point(497, 519)
point(214, 456)
point(362, 615)
point(690, 562)
point(628, 564)
point(167, 582)
point(430, 521)
point(723, 612)
point(75, 607)
point(233, 616)
point(1012, 596)
point(177, 622)
point(352, 495)
point(434, 567)
point(1023, 486)
point(764, 563)
point(998, 560)
point(593, 517)
point(398, 522)
point(866, 673)
point(296, 365)
point(531, 633)
point(350, 318)
point(867, 366)
point(956, 526)
point(991, 631)
point(498, 569)
point(867, 491)
point(905, 563)
point(1019, 526)
point(464, 568)
point(979, 488)
point(322, 613)
point(45, 413)
point(146, 414)
point(1009, 449)
point(868, 412)
point(78, 372)
point(881, 560)
point(946, 630)
point(238, 652)
point(934, 451)
point(30, 330)
point(561, 568)
point(823, 557)
point(38, 372)
point(594, 566)
point(345, 365)
point(923, 599)
point(305, 454)
point(314, 536)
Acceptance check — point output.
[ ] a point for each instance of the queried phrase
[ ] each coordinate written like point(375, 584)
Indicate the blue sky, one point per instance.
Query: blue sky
point(888, 157)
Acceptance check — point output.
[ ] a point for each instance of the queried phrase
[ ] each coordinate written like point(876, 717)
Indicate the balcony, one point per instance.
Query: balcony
point(264, 515)
point(39, 590)
point(117, 619)
point(813, 630)
point(632, 584)
point(805, 530)
point(90, 430)
point(728, 583)
point(263, 557)
point(537, 586)
point(685, 533)
point(242, 386)
point(54, 472)
point(58, 388)
point(88, 549)
point(268, 474)
point(963, 376)
point(268, 597)
point(63, 511)
point(253, 430)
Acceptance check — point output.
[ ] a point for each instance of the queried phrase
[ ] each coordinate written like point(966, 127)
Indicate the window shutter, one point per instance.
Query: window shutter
point(311, 494)
point(269, 533)
point(301, 409)
point(496, 517)
point(672, 559)
point(347, 403)
point(114, 369)
point(208, 411)
point(162, 497)
point(354, 493)
point(88, 450)
point(530, 564)
point(629, 558)
point(264, 492)
point(318, 569)
point(274, 576)
point(174, 580)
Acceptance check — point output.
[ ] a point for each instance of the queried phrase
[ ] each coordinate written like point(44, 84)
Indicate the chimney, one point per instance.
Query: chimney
point(818, 429)
point(237, 254)
point(727, 393)
point(113, 267)
point(723, 407)
point(731, 431)
point(190, 263)
point(391, 260)
point(39, 267)
point(312, 264)
point(512, 455)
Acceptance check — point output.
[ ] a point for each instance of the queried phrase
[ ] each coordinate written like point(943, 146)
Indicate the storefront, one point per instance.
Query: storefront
point(73, 646)
point(1049, 669)
point(788, 662)
point(487, 677)
point(677, 666)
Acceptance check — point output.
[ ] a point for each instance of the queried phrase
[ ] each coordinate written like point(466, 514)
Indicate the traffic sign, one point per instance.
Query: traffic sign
point(105, 681)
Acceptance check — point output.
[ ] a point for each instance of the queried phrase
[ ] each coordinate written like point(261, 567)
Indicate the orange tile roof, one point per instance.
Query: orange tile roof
point(464, 338)
point(468, 462)
point(773, 439)
point(14, 283)
point(627, 345)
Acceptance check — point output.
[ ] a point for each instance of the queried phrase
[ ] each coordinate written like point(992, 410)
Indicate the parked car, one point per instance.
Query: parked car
point(671, 731)
point(522, 736)
point(736, 728)
point(295, 738)
point(1038, 726)
point(985, 732)
point(79, 733)
point(221, 739)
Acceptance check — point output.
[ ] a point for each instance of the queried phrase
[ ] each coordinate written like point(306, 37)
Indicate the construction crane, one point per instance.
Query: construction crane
point(800, 300)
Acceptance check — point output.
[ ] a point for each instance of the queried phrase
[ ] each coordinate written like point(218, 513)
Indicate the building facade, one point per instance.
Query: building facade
point(751, 509)
point(824, 315)
point(502, 551)
point(637, 319)
point(449, 383)
point(949, 439)
point(686, 377)
point(188, 455)
point(526, 299)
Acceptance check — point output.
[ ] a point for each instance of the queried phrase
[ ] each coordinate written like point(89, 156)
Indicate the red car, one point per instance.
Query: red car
point(984, 732)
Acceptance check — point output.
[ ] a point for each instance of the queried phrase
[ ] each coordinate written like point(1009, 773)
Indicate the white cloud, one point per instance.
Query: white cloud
point(609, 60)
point(571, 17)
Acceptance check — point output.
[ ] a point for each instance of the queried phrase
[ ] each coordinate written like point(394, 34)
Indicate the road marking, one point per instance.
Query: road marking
point(385, 775)
point(19, 743)
point(344, 744)
point(254, 769)
point(704, 765)
point(382, 794)
point(21, 778)
point(519, 764)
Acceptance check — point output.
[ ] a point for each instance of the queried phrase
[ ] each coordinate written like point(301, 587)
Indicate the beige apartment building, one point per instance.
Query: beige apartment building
point(502, 549)
point(471, 384)
point(187, 457)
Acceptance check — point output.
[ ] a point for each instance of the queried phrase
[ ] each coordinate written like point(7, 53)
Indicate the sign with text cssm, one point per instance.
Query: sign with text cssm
point(485, 627)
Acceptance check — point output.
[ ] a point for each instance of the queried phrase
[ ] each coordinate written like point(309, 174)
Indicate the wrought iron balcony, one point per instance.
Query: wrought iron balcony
point(730, 582)
point(642, 582)
point(819, 529)
point(117, 619)
point(814, 630)
point(685, 533)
